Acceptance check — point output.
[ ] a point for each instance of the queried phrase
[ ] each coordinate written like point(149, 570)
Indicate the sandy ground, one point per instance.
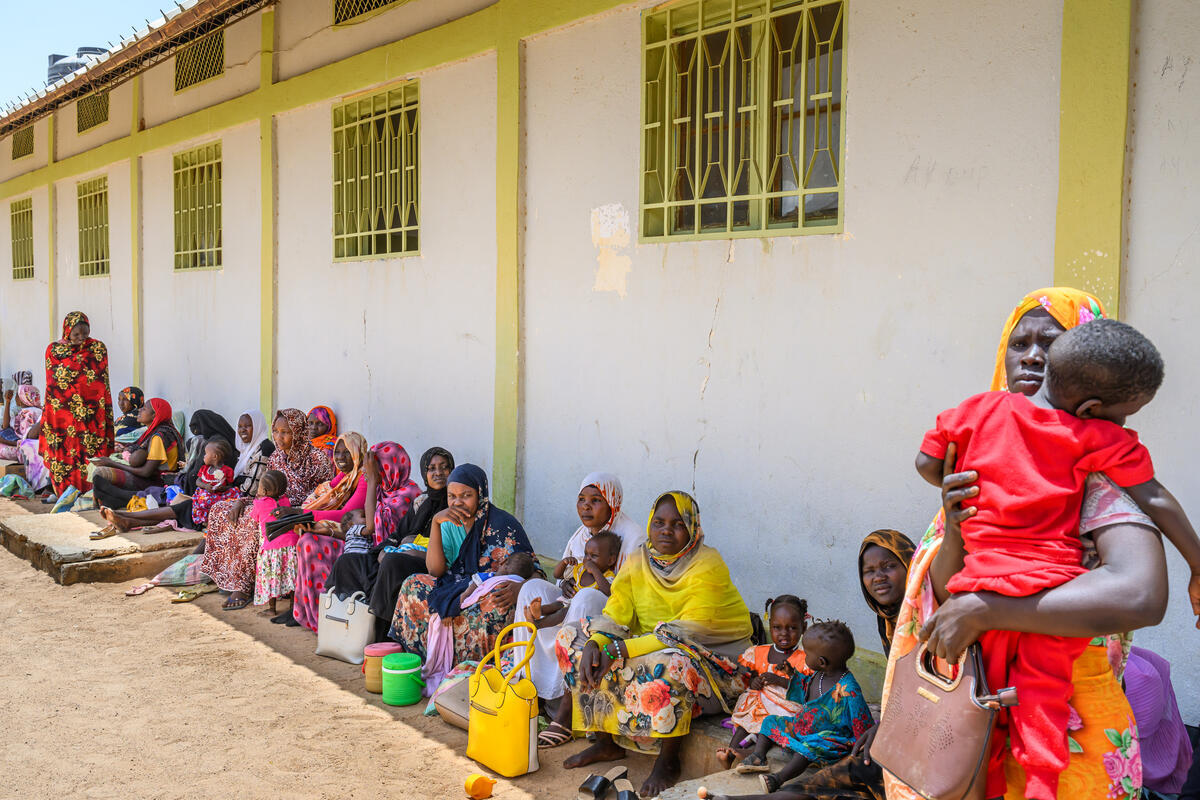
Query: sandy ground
point(109, 696)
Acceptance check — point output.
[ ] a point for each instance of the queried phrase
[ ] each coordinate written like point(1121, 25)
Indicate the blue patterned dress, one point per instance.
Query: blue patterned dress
point(825, 728)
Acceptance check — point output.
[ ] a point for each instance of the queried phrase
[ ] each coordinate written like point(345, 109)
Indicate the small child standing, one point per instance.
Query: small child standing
point(214, 481)
point(1033, 456)
point(275, 572)
point(832, 712)
point(600, 557)
point(774, 665)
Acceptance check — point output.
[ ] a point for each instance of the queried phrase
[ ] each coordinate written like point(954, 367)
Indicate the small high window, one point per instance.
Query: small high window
point(201, 60)
point(22, 142)
point(347, 10)
point(93, 227)
point(375, 154)
point(198, 208)
point(91, 111)
point(21, 212)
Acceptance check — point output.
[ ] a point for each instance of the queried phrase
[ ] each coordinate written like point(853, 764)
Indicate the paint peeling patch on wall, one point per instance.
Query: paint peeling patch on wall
point(610, 234)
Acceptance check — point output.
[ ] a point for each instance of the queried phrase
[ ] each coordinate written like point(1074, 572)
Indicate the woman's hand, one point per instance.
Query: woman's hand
point(371, 468)
point(235, 511)
point(504, 596)
point(453, 515)
point(594, 664)
point(862, 747)
point(757, 683)
point(958, 623)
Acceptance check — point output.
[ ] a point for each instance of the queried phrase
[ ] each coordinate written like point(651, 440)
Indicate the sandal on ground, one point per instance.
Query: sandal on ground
point(111, 530)
point(141, 588)
point(595, 787)
point(752, 764)
point(236, 606)
point(625, 789)
point(555, 735)
point(189, 593)
point(770, 784)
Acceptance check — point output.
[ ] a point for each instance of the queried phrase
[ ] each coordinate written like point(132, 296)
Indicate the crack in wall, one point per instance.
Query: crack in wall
point(708, 347)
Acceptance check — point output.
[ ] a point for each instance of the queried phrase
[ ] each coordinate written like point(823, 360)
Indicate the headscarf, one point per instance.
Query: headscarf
point(620, 523)
point(135, 396)
point(69, 322)
point(161, 425)
point(396, 491)
point(304, 465)
point(493, 532)
point(328, 496)
point(692, 591)
point(424, 507)
point(210, 424)
point(326, 441)
point(29, 396)
point(22, 377)
point(1069, 307)
point(902, 548)
point(258, 434)
point(1165, 747)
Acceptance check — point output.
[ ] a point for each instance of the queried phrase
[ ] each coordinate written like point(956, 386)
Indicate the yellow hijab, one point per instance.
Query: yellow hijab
point(1069, 307)
point(328, 497)
point(691, 589)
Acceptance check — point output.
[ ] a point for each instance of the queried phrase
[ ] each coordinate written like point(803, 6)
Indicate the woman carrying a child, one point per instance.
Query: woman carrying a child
point(1130, 592)
point(469, 536)
point(599, 508)
point(664, 650)
point(233, 535)
point(156, 451)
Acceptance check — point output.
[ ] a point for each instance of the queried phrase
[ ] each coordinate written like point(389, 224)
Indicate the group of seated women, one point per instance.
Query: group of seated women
point(640, 629)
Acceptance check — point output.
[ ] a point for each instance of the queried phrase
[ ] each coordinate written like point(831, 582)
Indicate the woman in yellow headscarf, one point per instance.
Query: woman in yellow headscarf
point(664, 650)
point(1128, 593)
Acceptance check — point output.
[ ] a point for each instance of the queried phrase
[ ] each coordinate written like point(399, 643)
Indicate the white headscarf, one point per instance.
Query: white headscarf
point(258, 434)
point(632, 535)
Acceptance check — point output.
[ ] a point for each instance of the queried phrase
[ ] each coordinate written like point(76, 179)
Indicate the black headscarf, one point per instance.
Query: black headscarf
point(902, 548)
point(208, 425)
point(416, 522)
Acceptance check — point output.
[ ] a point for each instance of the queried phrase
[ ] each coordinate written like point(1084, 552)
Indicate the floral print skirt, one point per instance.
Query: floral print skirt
point(650, 697)
point(275, 574)
point(475, 629)
point(231, 548)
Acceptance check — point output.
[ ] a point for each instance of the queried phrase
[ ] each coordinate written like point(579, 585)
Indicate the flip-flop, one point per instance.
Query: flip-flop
point(595, 787)
point(236, 606)
point(189, 593)
point(625, 789)
point(555, 735)
point(111, 530)
point(141, 588)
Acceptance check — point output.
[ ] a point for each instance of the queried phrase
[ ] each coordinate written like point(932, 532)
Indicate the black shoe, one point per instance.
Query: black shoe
point(282, 619)
point(291, 621)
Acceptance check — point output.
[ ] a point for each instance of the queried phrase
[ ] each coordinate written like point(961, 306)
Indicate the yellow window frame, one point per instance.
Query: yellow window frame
point(197, 189)
point(21, 219)
point(92, 203)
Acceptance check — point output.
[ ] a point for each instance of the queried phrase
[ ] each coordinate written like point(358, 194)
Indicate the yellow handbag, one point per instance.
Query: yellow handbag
point(502, 729)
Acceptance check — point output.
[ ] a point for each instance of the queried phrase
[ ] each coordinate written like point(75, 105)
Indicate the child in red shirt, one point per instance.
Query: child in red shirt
point(1033, 456)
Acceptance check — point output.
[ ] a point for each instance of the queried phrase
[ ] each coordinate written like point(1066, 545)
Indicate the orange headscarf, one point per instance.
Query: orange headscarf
point(1069, 307)
point(326, 441)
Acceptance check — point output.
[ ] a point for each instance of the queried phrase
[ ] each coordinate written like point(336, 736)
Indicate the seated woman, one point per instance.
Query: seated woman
point(254, 448)
point(488, 535)
point(322, 429)
point(205, 425)
point(24, 421)
point(665, 648)
point(395, 508)
point(130, 401)
point(599, 508)
point(157, 451)
point(233, 535)
point(321, 542)
point(22, 377)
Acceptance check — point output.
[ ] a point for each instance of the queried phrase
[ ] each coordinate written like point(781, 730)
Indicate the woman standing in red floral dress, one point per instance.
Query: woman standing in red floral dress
point(77, 423)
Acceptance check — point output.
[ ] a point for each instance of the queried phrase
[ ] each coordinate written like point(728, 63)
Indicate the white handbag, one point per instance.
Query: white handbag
point(344, 627)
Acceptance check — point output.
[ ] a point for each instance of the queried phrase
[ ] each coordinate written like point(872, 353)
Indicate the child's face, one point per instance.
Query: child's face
point(593, 510)
point(212, 456)
point(787, 626)
point(511, 566)
point(600, 554)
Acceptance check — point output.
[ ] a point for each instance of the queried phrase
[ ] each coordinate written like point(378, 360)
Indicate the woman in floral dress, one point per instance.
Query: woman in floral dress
point(664, 650)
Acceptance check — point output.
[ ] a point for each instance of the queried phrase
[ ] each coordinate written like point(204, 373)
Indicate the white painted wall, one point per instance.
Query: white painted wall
point(106, 299)
point(120, 116)
point(788, 380)
point(307, 37)
point(400, 348)
point(201, 326)
point(1162, 283)
point(25, 325)
point(243, 43)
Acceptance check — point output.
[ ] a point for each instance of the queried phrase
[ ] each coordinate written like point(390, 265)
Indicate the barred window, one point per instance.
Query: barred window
point(21, 213)
point(375, 152)
point(91, 111)
point(198, 208)
point(22, 142)
point(200, 60)
point(93, 227)
point(346, 10)
point(742, 118)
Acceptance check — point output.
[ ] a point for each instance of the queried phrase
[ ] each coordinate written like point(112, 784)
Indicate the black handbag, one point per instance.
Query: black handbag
point(277, 527)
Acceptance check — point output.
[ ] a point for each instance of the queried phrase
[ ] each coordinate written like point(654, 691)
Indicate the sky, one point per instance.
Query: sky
point(60, 27)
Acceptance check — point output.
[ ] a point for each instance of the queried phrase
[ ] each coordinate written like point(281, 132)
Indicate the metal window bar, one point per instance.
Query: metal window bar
point(375, 174)
point(742, 118)
point(21, 214)
point(197, 188)
point(91, 111)
point(93, 227)
point(200, 60)
point(22, 143)
point(346, 10)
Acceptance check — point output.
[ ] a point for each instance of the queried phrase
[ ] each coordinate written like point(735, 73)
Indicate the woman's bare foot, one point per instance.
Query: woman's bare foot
point(111, 518)
point(603, 750)
point(665, 773)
